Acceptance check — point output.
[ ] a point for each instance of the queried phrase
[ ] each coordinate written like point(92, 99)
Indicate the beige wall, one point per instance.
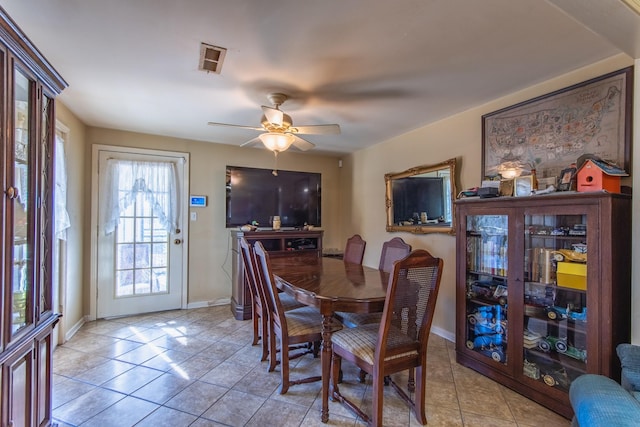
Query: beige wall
point(353, 196)
point(72, 296)
point(458, 136)
point(209, 241)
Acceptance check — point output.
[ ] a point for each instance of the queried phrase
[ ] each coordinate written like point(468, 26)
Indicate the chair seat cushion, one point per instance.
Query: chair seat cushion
point(288, 302)
point(306, 320)
point(351, 320)
point(361, 341)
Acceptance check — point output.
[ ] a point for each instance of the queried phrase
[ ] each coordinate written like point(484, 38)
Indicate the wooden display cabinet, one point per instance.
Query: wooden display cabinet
point(543, 289)
point(29, 85)
point(280, 243)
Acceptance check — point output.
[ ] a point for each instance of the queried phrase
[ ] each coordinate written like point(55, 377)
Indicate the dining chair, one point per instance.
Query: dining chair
point(353, 254)
point(399, 341)
point(297, 326)
point(354, 250)
point(259, 311)
point(392, 251)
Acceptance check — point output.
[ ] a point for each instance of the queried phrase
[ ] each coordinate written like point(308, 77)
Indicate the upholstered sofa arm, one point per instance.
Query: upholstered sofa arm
point(629, 355)
point(599, 401)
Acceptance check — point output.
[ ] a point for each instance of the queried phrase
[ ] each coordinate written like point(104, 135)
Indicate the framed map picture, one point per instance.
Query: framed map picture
point(550, 132)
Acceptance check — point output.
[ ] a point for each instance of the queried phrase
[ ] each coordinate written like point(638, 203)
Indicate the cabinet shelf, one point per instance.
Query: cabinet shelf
point(554, 237)
point(552, 316)
point(486, 302)
point(484, 273)
point(559, 358)
point(575, 326)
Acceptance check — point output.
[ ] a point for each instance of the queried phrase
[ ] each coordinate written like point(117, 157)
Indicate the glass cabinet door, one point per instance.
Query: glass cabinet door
point(22, 206)
point(46, 209)
point(555, 298)
point(486, 286)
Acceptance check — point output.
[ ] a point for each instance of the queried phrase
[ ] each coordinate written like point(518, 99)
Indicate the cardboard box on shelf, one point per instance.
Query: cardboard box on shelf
point(572, 275)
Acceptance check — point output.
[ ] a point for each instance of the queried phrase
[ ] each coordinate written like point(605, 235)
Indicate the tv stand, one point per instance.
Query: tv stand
point(279, 243)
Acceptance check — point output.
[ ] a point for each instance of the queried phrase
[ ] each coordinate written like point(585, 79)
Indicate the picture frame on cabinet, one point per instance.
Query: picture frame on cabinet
point(522, 185)
point(506, 187)
point(567, 180)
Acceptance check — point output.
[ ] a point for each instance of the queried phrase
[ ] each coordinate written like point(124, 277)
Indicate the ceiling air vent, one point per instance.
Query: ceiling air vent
point(211, 58)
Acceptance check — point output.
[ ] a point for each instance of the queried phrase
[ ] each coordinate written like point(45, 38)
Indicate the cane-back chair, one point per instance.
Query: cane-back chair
point(399, 341)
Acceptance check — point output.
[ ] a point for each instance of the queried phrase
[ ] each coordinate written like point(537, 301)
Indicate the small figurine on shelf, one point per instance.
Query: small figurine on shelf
point(253, 226)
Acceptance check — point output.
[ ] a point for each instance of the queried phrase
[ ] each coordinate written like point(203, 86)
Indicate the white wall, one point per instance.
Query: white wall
point(458, 136)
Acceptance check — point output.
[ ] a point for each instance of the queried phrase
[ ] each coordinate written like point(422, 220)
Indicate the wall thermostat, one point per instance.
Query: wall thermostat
point(198, 201)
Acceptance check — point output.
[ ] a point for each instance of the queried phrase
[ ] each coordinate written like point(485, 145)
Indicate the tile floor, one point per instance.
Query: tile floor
point(198, 368)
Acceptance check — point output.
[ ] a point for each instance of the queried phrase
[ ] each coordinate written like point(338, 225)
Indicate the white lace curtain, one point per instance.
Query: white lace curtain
point(62, 221)
point(155, 181)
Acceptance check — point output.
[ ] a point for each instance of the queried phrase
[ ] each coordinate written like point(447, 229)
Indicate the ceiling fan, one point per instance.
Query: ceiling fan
point(279, 131)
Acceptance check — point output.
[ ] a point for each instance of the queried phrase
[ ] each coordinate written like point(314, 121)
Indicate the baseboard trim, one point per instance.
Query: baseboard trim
point(443, 333)
point(204, 304)
point(75, 328)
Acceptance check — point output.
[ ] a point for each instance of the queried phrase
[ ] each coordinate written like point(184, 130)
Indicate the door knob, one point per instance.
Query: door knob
point(177, 241)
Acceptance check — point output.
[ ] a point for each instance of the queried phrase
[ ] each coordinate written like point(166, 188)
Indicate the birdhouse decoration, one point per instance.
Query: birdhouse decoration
point(597, 175)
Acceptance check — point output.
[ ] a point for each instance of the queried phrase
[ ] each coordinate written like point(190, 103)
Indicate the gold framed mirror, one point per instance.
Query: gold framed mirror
point(420, 199)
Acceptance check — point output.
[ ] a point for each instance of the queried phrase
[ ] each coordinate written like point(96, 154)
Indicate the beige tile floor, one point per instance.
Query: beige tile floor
point(198, 368)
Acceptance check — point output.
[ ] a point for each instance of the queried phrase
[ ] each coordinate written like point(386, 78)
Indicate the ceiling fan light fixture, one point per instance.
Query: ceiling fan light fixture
point(277, 142)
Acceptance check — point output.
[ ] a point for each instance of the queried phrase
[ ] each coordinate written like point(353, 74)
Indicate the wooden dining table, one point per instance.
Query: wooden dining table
point(331, 285)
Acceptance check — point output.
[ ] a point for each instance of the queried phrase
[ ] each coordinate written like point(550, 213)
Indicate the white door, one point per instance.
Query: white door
point(139, 264)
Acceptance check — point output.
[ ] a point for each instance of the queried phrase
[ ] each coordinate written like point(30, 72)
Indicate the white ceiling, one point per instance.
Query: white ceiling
point(378, 68)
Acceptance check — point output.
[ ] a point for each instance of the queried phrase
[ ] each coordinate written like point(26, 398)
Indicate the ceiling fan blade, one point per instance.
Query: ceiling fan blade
point(235, 126)
point(274, 115)
point(317, 129)
point(302, 144)
point(251, 142)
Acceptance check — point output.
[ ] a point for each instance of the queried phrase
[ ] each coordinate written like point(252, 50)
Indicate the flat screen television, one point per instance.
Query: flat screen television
point(255, 194)
point(412, 196)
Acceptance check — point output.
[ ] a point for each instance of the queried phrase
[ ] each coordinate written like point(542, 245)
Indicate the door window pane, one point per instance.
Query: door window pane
point(141, 252)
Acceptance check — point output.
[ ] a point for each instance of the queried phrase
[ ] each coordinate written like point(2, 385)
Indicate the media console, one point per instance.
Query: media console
point(280, 243)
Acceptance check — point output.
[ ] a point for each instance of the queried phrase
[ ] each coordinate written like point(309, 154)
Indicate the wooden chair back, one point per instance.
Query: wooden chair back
point(269, 288)
point(305, 325)
point(248, 262)
point(392, 251)
point(409, 306)
point(258, 309)
point(354, 251)
point(399, 341)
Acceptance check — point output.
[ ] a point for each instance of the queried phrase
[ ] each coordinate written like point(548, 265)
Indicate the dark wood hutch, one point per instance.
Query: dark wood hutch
point(29, 84)
point(543, 289)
